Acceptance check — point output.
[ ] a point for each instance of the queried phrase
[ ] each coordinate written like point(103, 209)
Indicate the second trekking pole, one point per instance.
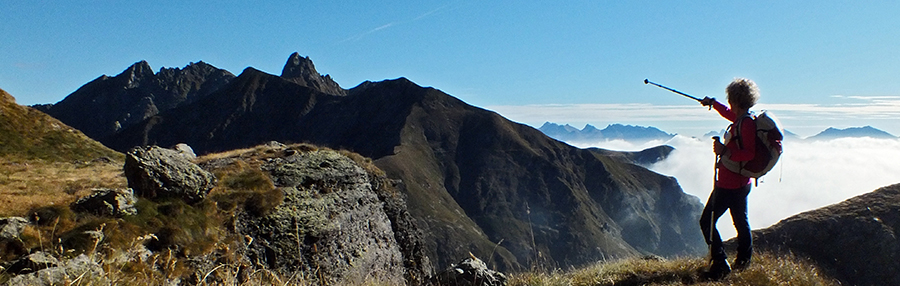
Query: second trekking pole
point(712, 200)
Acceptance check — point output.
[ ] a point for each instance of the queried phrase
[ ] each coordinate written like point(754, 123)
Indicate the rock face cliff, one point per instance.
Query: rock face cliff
point(476, 182)
point(855, 240)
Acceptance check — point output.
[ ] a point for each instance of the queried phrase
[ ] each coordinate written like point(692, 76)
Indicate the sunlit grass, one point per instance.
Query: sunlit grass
point(27, 184)
point(767, 269)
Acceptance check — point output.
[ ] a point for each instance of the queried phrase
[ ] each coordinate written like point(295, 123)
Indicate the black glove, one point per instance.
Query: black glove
point(707, 101)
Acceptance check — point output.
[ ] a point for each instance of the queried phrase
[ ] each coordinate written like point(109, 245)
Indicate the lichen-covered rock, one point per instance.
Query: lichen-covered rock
point(62, 274)
point(107, 202)
point(331, 225)
point(157, 173)
point(33, 262)
point(11, 227)
point(469, 272)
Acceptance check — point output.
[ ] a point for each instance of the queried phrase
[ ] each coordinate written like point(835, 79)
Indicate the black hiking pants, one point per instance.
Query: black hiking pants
point(719, 201)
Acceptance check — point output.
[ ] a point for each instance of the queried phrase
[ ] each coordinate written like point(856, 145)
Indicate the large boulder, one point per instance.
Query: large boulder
point(107, 202)
point(158, 173)
point(330, 225)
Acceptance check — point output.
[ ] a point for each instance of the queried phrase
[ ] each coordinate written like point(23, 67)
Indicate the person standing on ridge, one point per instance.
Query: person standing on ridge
point(731, 189)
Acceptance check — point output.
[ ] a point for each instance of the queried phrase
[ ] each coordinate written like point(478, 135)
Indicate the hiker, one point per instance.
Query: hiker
point(731, 189)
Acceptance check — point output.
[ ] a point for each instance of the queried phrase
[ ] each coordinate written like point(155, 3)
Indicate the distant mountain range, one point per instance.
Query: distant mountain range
point(589, 133)
point(853, 132)
point(475, 181)
point(641, 134)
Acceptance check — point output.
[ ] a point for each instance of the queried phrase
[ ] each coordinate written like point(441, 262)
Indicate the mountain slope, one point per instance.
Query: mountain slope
point(26, 133)
point(855, 240)
point(473, 178)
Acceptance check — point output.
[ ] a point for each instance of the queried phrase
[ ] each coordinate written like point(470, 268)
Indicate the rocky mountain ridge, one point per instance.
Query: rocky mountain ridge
point(116, 103)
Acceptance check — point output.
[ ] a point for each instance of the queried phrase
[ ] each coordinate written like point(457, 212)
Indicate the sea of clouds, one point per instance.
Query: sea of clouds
point(809, 175)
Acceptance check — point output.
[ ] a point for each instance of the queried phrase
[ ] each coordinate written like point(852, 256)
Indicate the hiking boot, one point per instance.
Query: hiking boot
point(741, 264)
point(718, 270)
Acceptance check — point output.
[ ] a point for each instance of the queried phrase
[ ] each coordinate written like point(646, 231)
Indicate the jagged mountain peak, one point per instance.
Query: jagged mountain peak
point(298, 66)
point(302, 71)
point(134, 74)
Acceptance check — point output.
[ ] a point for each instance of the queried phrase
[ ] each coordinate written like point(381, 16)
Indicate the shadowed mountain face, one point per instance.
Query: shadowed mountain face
point(855, 240)
point(473, 179)
point(107, 105)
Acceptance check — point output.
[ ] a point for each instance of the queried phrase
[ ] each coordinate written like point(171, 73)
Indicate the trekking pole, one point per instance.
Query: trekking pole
point(712, 199)
point(647, 81)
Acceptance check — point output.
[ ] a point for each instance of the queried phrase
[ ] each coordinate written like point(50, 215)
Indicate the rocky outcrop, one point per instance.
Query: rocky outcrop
point(158, 173)
point(855, 241)
point(469, 272)
point(330, 225)
point(107, 202)
point(302, 71)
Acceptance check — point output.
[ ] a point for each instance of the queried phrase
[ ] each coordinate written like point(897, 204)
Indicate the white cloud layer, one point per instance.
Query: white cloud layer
point(694, 120)
point(809, 175)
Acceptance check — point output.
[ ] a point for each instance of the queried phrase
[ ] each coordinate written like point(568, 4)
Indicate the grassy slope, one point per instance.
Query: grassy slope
point(767, 269)
point(28, 134)
point(44, 162)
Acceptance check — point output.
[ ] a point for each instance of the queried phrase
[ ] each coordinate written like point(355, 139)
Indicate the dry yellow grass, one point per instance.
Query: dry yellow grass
point(26, 184)
point(767, 269)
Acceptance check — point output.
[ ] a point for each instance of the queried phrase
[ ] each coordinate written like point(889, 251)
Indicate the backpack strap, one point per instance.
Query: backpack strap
point(737, 125)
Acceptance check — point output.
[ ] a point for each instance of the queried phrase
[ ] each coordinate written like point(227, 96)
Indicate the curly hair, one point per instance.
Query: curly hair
point(742, 92)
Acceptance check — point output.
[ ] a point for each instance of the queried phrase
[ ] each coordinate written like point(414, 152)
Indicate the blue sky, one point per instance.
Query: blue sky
point(818, 63)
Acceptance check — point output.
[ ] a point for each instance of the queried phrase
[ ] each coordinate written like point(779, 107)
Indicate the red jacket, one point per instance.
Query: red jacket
point(738, 152)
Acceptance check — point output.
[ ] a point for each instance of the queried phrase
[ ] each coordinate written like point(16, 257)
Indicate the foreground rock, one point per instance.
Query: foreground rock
point(62, 273)
point(107, 202)
point(33, 262)
point(159, 173)
point(469, 272)
point(331, 225)
point(11, 227)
